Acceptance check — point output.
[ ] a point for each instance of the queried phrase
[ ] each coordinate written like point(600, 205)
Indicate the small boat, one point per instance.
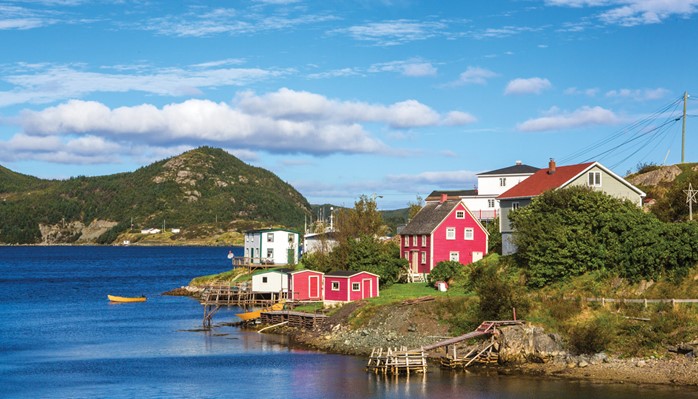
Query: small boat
point(115, 298)
point(256, 314)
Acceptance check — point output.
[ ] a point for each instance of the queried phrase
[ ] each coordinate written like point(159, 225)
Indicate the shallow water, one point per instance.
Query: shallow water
point(60, 337)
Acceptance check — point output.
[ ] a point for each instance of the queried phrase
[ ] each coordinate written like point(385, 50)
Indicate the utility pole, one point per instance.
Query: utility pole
point(683, 129)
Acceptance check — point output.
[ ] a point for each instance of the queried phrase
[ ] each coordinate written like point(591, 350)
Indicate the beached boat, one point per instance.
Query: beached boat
point(256, 314)
point(115, 298)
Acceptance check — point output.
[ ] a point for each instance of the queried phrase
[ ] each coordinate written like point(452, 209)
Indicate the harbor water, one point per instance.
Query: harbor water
point(60, 337)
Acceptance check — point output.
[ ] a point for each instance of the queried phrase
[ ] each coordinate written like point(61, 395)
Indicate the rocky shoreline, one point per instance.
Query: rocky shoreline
point(523, 350)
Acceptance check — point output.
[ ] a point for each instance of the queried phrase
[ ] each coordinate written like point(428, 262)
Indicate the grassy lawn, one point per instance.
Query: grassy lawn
point(400, 292)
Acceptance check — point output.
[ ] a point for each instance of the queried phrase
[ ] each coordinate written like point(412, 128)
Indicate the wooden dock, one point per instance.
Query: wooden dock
point(395, 362)
point(293, 319)
point(213, 297)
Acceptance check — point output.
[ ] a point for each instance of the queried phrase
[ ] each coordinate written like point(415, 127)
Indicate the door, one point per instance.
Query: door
point(314, 289)
point(414, 265)
point(251, 255)
point(477, 256)
point(366, 291)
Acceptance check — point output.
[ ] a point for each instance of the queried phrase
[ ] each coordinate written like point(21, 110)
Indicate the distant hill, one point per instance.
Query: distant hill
point(665, 185)
point(203, 186)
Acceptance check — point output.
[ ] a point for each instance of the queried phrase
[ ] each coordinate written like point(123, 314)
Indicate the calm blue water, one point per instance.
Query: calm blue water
point(61, 338)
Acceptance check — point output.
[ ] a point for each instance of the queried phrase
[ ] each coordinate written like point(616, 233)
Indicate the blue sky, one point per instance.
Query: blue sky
point(344, 98)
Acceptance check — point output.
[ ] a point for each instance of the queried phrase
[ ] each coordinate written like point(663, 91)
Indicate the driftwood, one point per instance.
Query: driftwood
point(418, 300)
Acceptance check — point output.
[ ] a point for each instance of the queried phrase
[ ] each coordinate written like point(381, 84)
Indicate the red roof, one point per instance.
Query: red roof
point(542, 181)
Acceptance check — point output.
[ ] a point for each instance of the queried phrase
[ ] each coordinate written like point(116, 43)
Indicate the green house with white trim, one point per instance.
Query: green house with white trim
point(271, 246)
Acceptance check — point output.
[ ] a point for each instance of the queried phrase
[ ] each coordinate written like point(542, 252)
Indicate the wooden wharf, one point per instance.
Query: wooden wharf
point(396, 362)
point(293, 319)
point(213, 297)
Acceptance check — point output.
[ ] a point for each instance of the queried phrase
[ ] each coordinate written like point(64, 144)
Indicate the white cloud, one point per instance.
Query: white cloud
point(411, 68)
point(573, 91)
point(22, 18)
point(285, 121)
point(458, 178)
point(475, 75)
point(395, 32)
point(639, 94)
point(337, 73)
point(582, 117)
point(457, 118)
point(635, 12)
point(47, 83)
point(527, 86)
point(202, 21)
point(302, 105)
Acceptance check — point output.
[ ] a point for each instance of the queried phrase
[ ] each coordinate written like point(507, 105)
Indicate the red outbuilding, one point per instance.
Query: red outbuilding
point(306, 285)
point(441, 231)
point(348, 286)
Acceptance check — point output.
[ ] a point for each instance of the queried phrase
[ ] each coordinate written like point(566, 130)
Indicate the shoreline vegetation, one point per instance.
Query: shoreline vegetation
point(564, 336)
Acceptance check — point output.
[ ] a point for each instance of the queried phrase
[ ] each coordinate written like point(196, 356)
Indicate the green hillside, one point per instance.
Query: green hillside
point(202, 186)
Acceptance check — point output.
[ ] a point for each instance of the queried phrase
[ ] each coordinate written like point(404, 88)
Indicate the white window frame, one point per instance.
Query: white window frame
point(460, 214)
point(407, 241)
point(424, 241)
point(414, 240)
point(407, 255)
point(270, 237)
point(356, 286)
point(454, 256)
point(468, 233)
point(594, 179)
point(270, 252)
point(265, 279)
point(514, 206)
point(490, 203)
point(502, 182)
point(424, 257)
point(335, 286)
point(450, 233)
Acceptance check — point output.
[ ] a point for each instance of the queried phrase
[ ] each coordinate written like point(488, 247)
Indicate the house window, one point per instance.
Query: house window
point(335, 286)
point(514, 206)
point(290, 238)
point(407, 255)
point(270, 237)
point(424, 257)
point(355, 287)
point(468, 233)
point(414, 241)
point(265, 279)
point(460, 214)
point(451, 233)
point(502, 181)
point(424, 241)
point(595, 179)
point(407, 241)
point(454, 256)
point(490, 203)
point(270, 252)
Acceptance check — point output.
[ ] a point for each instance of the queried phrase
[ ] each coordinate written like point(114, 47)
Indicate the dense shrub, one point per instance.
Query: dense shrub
point(500, 293)
point(593, 336)
point(446, 271)
point(569, 232)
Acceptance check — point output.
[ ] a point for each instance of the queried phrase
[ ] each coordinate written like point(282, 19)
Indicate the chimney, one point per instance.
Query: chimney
point(444, 198)
point(518, 163)
point(551, 166)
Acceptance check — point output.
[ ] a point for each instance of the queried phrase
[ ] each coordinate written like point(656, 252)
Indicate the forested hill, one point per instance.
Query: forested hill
point(199, 187)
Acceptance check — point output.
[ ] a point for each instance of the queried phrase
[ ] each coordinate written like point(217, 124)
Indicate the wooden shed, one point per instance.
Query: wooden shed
point(272, 281)
point(348, 286)
point(306, 285)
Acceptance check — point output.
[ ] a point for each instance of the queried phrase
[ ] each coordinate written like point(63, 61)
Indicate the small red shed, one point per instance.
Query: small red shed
point(348, 286)
point(306, 285)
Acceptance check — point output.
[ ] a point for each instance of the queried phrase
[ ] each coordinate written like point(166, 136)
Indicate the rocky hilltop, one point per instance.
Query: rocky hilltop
point(202, 192)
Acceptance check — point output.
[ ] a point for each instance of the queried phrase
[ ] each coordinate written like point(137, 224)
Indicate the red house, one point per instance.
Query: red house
point(441, 231)
point(347, 286)
point(305, 285)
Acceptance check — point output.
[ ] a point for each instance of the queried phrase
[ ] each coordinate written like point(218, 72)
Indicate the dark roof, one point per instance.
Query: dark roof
point(512, 170)
point(452, 194)
point(282, 270)
point(542, 181)
point(429, 217)
point(347, 273)
point(270, 230)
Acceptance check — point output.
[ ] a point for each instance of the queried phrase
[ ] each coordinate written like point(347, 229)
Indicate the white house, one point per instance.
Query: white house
point(271, 282)
point(319, 242)
point(271, 246)
point(482, 201)
point(150, 231)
